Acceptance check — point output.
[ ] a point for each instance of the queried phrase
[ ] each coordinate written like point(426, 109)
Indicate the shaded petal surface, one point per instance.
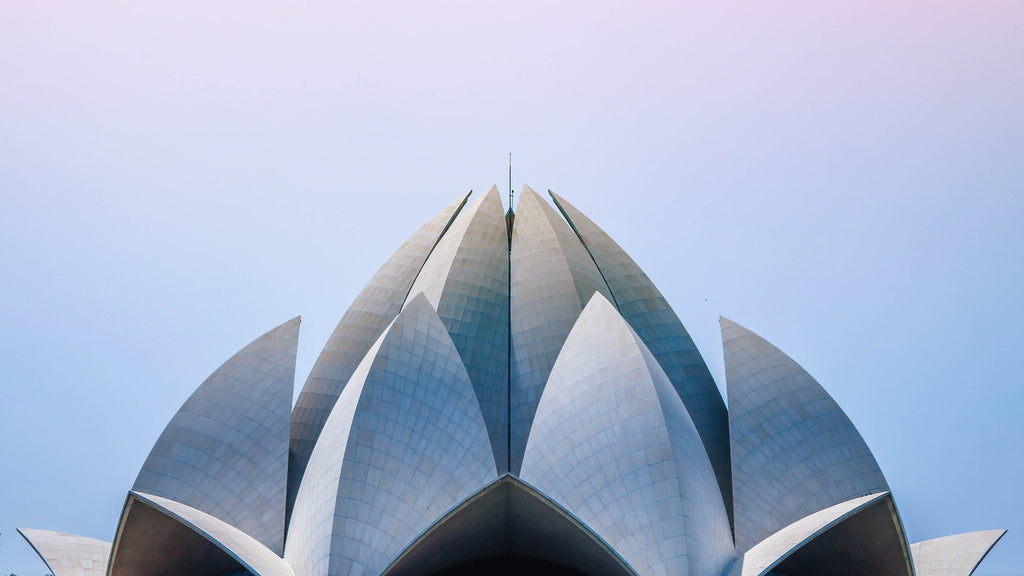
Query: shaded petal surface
point(613, 444)
point(68, 554)
point(794, 451)
point(226, 450)
point(552, 279)
point(957, 555)
point(371, 312)
point(466, 281)
point(406, 442)
point(642, 305)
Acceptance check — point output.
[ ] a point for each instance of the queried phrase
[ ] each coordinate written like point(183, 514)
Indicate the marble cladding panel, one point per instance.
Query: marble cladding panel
point(612, 443)
point(649, 314)
point(466, 280)
point(69, 554)
point(956, 555)
point(552, 278)
point(794, 451)
point(371, 312)
point(226, 450)
point(405, 444)
point(308, 547)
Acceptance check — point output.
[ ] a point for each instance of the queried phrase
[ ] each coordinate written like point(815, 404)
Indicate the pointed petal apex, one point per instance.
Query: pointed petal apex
point(410, 409)
point(780, 478)
point(606, 380)
point(68, 554)
point(957, 555)
point(418, 303)
point(234, 429)
point(552, 278)
point(599, 304)
point(647, 311)
point(466, 280)
point(373, 310)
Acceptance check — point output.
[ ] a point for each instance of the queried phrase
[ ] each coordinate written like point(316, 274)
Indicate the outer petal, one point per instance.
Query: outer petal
point(859, 536)
point(404, 444)
point(226, 450)
point(374, 308)
point(794, 451)
point(466, 281)
point(161, 537)
point(647, 311)
point(613, 444)
point(552, 277)
point(68, 554)
point(957, 555)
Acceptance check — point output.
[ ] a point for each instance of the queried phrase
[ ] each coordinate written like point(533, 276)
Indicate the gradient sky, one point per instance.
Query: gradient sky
point(845, 178)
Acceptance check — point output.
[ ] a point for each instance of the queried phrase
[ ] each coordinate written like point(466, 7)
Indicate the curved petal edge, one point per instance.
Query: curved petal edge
point(768, 553)
point(225, 452)
point(365, 320)
point(507, 519)
point(613, 444)
point(861, 536)
point(957, 555)
point(794, 451)
point(248, 552)
point(68, 554)
point(552, 278)
point(405, 442)
point(466, 280)
point(649, 314)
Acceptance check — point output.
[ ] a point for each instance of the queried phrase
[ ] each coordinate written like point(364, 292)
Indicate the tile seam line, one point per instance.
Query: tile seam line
point(508, 370)
point(302, 474)
point(579, 236)
point(36, 550)
point(437, 241)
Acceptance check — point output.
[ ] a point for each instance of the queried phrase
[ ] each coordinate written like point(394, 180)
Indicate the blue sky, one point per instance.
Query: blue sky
point(845, 179)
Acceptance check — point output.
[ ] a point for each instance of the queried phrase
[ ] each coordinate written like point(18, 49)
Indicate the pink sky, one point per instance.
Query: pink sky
point(845, 178)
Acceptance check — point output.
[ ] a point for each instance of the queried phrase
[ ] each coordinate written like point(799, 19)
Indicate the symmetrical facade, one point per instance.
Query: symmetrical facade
point(510, 393)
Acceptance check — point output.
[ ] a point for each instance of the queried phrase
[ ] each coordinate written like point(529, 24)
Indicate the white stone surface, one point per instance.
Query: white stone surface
point(613, 444)
point(649, 314)
point(957, 555)
point(466, 281)
point(405, 444)
point(372, 311)
point(552, 279)
point(794, 451)
point(69, 554)
point(226, 450)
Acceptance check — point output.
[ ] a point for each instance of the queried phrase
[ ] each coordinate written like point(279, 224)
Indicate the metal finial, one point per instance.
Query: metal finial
point(509, 180)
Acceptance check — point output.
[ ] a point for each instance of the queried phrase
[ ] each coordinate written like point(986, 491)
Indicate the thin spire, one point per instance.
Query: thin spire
point(510, 192)
point(510, 216)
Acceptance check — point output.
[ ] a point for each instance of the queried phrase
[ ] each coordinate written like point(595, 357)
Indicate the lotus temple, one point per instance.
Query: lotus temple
point(510, 394)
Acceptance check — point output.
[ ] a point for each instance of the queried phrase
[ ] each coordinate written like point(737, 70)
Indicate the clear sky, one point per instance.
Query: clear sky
point(845, 178)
